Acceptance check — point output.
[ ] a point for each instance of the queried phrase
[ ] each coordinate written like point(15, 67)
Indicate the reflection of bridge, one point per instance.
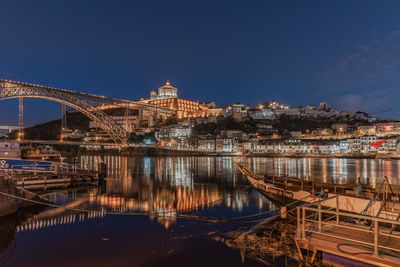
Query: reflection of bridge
point(166, 205)
point(88, 104)
point(38, 223)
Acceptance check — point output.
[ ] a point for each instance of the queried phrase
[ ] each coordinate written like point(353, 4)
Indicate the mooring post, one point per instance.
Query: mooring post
point(337, 209)
point(303, 230)
point(319, 217)
point(284, 212)
point(376, 234)
point(298, 222)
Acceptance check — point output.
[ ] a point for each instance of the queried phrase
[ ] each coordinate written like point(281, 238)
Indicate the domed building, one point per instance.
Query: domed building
point(164, 92)
point(167, 96)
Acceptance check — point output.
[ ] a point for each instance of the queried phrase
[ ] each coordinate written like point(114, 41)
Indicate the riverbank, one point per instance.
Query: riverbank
point(160, 152)
point(153, 151)
point(10, 205)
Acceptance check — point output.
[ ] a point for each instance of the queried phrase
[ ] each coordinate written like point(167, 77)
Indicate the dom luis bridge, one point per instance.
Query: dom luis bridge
point(90, 105)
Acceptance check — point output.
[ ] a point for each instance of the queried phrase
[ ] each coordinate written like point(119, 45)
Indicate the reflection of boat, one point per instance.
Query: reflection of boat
point(358, 198)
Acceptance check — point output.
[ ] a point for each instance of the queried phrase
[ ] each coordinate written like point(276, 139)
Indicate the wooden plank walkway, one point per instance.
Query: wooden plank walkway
point(344, 236)
point(331, 237)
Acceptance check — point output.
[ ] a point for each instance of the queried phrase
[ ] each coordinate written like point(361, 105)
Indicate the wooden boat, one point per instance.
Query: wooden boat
point(382, 201)
point(41, 152)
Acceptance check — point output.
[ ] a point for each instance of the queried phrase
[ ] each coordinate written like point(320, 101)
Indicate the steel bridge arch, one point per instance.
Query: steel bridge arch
point(99, 122)
point(77, 101)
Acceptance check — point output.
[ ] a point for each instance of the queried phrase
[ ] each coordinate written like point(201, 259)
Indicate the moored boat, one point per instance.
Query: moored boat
point(382, 201)
point(40, 152)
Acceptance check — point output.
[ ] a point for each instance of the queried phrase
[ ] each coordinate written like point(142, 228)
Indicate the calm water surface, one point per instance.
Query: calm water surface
point(147, 198)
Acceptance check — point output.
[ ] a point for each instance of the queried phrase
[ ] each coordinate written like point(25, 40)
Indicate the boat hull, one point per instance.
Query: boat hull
point(342, 202)
point(279, 196)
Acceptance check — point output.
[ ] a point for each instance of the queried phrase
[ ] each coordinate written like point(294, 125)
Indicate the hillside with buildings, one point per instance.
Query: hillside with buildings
point(265, 128)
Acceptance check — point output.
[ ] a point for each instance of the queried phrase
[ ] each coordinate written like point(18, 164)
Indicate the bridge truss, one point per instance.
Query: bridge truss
point(88, 104)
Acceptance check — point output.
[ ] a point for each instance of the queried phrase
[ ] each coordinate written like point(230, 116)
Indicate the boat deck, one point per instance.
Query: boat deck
point(361, 250)
point(361, 239)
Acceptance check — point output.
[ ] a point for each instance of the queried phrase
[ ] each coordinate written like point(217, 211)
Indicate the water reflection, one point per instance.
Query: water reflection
point(36, 223)
point(8, 231)
point(162, 188)
point(336, 170)
point(166, 187)
point(163, 204)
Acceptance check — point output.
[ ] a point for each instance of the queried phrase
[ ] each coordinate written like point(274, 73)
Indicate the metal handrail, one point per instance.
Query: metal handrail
point(349, 214)
point(353, 228)
point(302, 219)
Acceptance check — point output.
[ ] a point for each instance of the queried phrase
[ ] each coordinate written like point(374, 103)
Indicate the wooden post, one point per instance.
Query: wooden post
point(299, 251)
point(284, 212)
point(303, 230)
point(376, 234)
point(314, 255)
point(319, 217)
point(298, 222)
point(337, 209)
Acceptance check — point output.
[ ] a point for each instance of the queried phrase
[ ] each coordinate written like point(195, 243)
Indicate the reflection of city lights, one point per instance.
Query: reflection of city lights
point(165, 187)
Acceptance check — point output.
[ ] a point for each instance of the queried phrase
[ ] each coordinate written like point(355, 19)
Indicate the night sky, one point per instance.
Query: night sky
point(346, 52)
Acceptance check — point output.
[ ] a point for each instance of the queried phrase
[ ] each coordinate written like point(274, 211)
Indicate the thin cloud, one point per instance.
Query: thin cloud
point(358, 102)
point(363, 78)
point(366, 65)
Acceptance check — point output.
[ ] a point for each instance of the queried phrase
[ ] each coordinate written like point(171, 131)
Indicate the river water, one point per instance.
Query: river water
point(157, 210)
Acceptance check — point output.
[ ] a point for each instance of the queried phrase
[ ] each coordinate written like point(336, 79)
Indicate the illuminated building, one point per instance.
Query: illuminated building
point(167, 96)
point(388, 127)
point(237, 111)
point(165, 92)
point(174, 136)
point(261, 114)
point(324, 106)
point(340, 128)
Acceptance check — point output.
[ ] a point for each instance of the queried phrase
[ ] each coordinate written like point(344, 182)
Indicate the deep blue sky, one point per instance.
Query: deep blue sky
point(297, 52)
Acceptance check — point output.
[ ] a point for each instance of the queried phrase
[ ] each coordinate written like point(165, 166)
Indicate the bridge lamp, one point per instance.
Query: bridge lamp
point(20, 135)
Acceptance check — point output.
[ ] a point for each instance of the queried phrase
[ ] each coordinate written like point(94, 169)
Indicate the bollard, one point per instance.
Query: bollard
point(284, 212)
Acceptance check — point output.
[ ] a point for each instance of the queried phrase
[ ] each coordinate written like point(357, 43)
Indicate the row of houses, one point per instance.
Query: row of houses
point(274, 110)
point(353, 146)
point(235, 141)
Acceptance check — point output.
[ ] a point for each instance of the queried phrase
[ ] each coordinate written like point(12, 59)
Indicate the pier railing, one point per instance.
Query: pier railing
point(51, 168)
point(65, 167)
point(366, 234)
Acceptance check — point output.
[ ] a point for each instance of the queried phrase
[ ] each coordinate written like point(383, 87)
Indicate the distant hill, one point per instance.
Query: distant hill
point(51, 130)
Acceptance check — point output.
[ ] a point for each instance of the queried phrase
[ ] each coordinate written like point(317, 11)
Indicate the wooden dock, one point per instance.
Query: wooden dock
point(31, 174)
point(347, 239)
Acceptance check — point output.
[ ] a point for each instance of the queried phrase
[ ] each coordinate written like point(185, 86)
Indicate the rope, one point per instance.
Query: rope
point(372, 200)
point(193, 217)
point(370, 252)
